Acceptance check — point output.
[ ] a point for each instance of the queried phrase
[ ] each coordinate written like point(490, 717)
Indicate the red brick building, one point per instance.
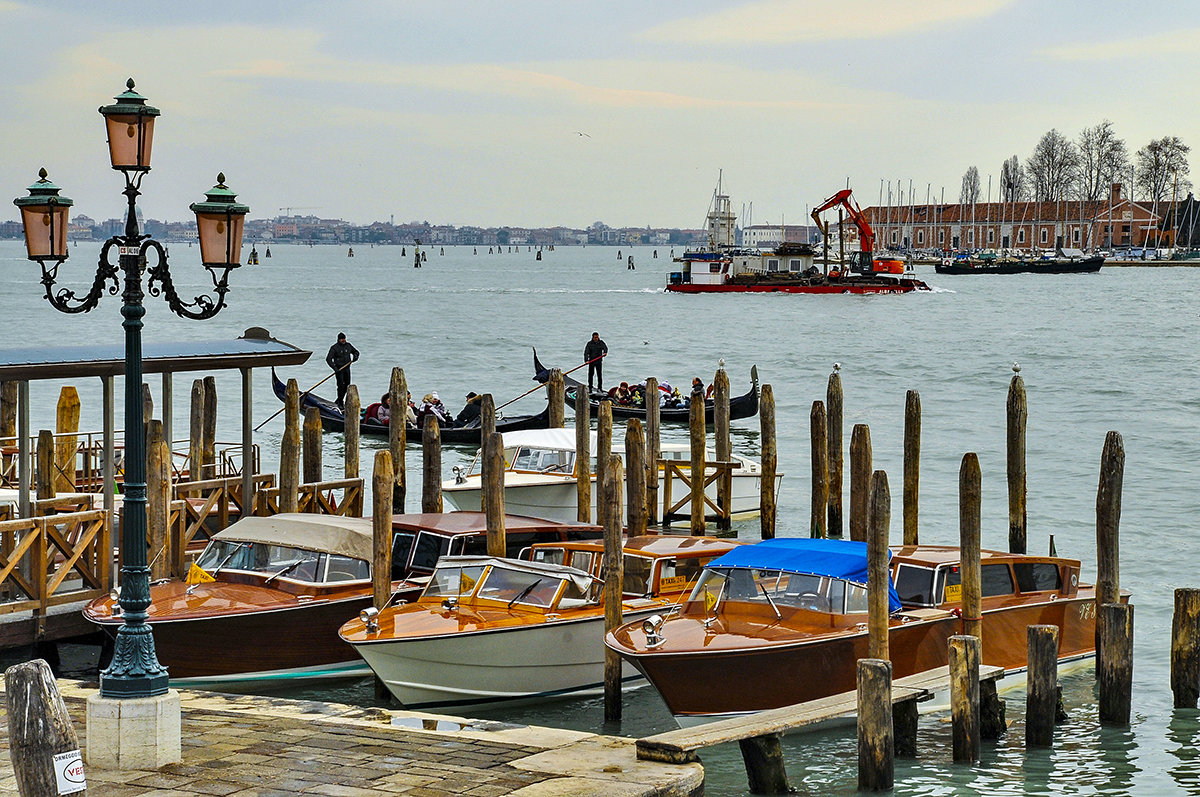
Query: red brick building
point(1116, 222)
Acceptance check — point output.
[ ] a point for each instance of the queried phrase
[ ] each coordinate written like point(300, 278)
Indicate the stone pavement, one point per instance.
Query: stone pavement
point(242, 746)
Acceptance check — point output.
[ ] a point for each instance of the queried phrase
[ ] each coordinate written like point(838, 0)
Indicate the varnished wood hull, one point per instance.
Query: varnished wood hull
point(285, 644)
point(698, 683)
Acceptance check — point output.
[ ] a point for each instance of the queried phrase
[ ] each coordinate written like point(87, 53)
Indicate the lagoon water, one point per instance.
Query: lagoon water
point(1114, 350)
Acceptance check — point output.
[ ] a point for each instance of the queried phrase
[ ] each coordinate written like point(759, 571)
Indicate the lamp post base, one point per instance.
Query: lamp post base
point(133, 733)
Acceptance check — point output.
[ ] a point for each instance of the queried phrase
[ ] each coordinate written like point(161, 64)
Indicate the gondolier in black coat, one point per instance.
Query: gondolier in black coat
point(341, 354)
point(592, 354)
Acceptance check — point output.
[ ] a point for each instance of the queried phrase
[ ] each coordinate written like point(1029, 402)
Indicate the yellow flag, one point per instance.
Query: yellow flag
point(710, 600)
point(198, 575)
point(465, 582)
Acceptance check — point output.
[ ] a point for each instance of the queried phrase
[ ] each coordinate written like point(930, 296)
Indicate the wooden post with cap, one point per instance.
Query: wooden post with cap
point(351, 431)
point(431, 466)
point(583, 456)
point(722, 447)
point(912, 465)
point(860, 480)
point(398, 436)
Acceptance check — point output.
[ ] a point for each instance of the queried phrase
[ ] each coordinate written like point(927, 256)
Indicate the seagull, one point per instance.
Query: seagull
point(581, 133)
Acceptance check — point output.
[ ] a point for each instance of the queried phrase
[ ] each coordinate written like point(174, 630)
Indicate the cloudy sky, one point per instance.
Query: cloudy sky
point(471, 112)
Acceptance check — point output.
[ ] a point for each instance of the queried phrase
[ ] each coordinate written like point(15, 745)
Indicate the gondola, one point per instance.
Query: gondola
point(332, 420)
point(743, 406)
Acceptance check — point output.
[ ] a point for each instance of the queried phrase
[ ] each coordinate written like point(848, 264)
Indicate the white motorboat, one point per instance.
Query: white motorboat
point(491, 630)
point(540, 478)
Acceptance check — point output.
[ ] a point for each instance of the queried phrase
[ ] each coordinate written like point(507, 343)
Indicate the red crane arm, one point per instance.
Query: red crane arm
point(866, 236)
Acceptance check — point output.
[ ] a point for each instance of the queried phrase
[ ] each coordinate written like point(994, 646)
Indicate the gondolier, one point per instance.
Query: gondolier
point(340, 355)
point(593, 354)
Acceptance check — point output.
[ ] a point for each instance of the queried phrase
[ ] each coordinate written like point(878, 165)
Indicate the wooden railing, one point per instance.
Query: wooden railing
point(681, 469)
point(318, 498)
point(208, 504)
point(51, 560)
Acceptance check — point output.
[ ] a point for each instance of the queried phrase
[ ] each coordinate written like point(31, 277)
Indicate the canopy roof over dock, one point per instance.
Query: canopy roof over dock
point(256, 348)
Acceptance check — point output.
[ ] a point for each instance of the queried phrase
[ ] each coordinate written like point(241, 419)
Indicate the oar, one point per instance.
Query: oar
point(543, 384)
point(311, 389)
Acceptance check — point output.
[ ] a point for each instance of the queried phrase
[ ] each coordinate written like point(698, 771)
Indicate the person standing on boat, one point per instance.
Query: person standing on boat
point(593, 353)
point(340, 355)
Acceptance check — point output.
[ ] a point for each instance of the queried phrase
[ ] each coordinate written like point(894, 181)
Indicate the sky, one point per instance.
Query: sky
point(540, 113)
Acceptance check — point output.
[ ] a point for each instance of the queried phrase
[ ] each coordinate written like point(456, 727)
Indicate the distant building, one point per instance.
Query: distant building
point(1116, 222)
point(768, 235)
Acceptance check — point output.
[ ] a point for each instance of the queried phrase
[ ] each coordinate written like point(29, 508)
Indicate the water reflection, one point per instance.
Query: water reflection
point(1184, 731)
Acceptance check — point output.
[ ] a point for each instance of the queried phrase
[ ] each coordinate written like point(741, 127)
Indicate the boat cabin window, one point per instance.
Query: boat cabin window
point(345, 568)
point(402, 544)
point(582, 560)
point(295, 564)
point(515, 586)
point(453, 581)
point(540, 460)
point(677, 573)
point(799, 590)
point(1037, 576)
point(915, 584)
point(638, 570)
point(427, 550)
point(554, 556)
point(993, 580)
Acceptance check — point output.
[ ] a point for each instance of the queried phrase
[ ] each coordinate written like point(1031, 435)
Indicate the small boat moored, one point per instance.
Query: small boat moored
point(788, 615)
point(490, 630)
point(540, 477)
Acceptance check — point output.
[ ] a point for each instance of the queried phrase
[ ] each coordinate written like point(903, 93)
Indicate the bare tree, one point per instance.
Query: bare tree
point(1052, 168)
point(1102, 159)
point(1161, 167)
point(1012, 180)
point(969, 194)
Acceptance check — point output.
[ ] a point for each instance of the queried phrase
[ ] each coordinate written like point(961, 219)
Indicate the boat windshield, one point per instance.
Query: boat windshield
point(781, 588)
point(453, 581)
point(517, 586)
point(294, 564)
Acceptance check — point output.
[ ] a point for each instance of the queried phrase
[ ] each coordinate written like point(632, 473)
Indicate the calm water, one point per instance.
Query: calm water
point(1113, 350)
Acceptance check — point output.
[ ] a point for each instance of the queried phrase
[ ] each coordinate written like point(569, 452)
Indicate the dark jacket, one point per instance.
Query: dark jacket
point(340, 354)
point(470, 412)
point(594, 349)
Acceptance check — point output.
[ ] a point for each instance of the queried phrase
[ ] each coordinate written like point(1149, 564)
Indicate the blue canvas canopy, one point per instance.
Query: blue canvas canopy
point(844, 559)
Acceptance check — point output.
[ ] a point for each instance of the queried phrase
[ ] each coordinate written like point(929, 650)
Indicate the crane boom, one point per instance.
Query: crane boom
point(866, 236)
point(863, 262)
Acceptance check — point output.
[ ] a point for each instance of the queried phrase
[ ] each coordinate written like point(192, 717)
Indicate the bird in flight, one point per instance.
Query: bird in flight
point(580, 133)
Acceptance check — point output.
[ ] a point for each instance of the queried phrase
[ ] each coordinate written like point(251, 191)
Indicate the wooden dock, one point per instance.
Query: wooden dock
point(246, 746)
point(681, 746)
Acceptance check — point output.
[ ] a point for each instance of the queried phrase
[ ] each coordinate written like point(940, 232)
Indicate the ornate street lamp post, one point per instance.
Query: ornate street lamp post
point(135, 670)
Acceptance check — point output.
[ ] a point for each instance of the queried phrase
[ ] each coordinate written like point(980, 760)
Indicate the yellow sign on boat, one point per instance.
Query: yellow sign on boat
point(953, 592)
point(198, 575)
point(672, 582)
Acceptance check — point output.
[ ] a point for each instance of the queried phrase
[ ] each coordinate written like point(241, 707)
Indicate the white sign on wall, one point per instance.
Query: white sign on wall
point(68, 772)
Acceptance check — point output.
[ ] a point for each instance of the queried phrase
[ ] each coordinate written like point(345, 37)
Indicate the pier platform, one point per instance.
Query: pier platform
point(244, 746)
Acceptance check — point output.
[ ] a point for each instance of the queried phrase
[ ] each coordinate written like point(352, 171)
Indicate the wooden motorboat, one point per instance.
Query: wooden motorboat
point(491, 630)
point(285, 584)
point(743, 406)
point(788, 616)
point(334, 420)
point(540, 477)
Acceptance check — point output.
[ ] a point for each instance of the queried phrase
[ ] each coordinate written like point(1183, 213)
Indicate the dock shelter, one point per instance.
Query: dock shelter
point(254, 349)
